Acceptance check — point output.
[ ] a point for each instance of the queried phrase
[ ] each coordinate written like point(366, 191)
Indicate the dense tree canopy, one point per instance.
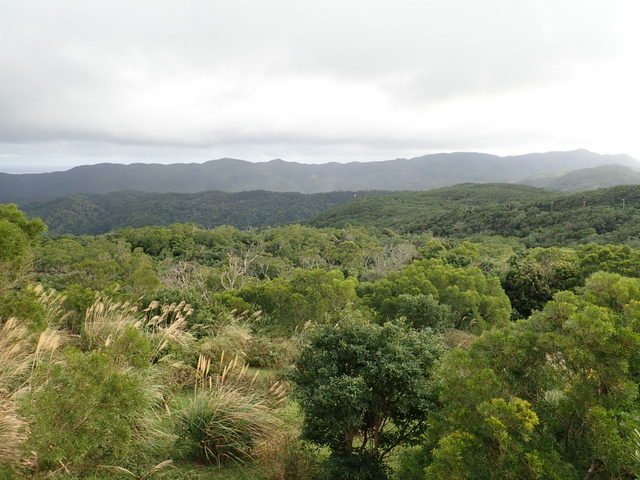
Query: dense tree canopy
point(553, 396)
point(402, 355)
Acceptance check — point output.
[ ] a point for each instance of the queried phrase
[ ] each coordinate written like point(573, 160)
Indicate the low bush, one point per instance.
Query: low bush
point(87, 412)
point(266, 352)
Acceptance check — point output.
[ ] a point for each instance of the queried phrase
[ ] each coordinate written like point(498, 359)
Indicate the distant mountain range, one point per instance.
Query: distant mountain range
point(229, 175)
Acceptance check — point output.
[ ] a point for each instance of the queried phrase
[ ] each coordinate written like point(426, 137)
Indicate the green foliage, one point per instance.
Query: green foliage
point(552, 395)
point(305, 296)
point(365, 389)
point(424, 311)
point(266, 352)
point(18, 235)
point(87, 412)
point(537, 274)
point(476, 301)
point(96, 263)
point(83, 214)
point(31, 228)
point(571, 368)
point(14, 243)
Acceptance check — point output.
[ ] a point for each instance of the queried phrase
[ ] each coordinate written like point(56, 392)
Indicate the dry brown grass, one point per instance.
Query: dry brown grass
point(12, 433)
point(284, 457)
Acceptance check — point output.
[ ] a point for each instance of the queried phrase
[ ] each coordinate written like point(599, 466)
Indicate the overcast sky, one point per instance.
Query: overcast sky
point(87, 81)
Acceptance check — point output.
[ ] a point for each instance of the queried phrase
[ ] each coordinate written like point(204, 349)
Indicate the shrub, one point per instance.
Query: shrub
point(365, 389)
point(87, 412)
point(266, 352)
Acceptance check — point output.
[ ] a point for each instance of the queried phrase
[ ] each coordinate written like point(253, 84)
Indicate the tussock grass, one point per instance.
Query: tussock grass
point(226, 417)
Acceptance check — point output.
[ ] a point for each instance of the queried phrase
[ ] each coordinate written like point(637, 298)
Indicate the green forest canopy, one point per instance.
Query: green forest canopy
point(527, 356)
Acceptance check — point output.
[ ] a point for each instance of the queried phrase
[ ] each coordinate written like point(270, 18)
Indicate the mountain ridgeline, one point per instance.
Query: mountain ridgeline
point(229, 175)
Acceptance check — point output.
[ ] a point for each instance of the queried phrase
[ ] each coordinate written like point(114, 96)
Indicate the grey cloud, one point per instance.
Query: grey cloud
point(80, 71)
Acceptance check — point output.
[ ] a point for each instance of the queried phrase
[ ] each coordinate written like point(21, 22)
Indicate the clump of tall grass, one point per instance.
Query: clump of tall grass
point(106, 321)
point(20, 354)
point(167, 327)
point(226, 417)
point(52, 302)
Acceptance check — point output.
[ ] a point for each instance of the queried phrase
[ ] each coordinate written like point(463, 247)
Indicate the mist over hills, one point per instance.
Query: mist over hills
point(230, 175)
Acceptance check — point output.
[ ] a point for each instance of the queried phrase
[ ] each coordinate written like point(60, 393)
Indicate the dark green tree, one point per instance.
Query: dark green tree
point(365, 389)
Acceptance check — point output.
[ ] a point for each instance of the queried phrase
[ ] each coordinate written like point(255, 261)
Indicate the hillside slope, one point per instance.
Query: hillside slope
point(539, 217)
point(93, 214)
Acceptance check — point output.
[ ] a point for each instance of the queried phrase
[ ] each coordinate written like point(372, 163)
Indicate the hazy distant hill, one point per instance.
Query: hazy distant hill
point(587, 178)
point(429, 171)
point(91, 214)
point(539, 217)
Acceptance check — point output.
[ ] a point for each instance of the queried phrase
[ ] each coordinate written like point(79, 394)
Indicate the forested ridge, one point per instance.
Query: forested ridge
point(93, 213)
point(465, 333)
point(539, 217)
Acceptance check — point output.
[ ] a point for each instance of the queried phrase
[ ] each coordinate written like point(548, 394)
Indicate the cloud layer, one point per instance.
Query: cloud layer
point(165, 80)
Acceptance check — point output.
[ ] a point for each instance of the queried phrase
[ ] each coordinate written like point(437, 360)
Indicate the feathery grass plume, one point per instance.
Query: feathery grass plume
point(15, 355)
point(231, 333)
point(167, 327)
point(53, 304)
point(15, 365)
point(106, 319)
point(18, 358)
point(234, 373)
